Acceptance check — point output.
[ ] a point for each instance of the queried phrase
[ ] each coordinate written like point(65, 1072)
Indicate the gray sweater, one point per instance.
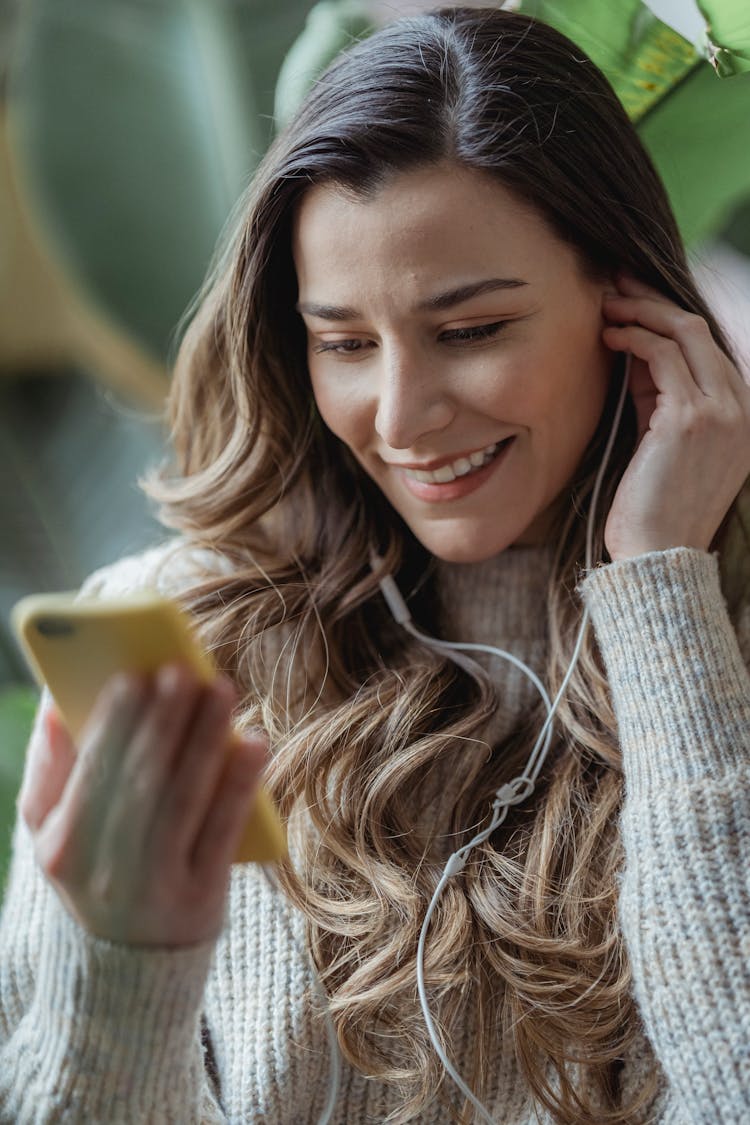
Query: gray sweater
point(92, 1031)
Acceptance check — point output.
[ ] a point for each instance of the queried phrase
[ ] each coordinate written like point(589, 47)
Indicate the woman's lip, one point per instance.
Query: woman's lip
point(430, 466)
point(458, 488)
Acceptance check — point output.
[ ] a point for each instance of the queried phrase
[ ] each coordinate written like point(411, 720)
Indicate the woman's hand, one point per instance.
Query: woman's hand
point(137, 831)
point(693, 411)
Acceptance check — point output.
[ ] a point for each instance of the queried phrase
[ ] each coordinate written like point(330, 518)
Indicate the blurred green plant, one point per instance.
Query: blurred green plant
point(689, 101)
point(643, 58)
point(133, 129)
point(17, 706)
point(727, 34)
point(331, 26)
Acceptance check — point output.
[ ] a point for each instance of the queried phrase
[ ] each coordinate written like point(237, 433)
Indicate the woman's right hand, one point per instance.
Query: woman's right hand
point(137, 831)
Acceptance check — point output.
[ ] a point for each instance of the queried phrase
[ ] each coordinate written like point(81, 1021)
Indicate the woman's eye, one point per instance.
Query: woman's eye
point(472, 333)
point(339, 347)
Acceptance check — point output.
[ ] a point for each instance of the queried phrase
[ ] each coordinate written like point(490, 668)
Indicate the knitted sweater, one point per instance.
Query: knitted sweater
point(94, 1031)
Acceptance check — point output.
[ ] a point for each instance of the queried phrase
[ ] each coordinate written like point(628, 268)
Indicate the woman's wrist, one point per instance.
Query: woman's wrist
point(679, 685)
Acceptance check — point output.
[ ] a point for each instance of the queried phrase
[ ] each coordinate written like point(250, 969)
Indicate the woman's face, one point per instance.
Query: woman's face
point(454, 345)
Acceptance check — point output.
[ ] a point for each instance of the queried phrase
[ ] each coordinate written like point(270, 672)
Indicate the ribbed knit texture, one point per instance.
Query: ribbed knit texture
point(682, 697)
point(92, 1031)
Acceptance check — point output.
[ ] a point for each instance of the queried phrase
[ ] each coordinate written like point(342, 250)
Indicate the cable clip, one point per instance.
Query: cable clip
point(455, 864)
point(513, 792)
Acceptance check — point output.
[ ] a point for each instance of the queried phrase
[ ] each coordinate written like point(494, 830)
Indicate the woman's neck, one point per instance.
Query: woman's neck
point(501, 597)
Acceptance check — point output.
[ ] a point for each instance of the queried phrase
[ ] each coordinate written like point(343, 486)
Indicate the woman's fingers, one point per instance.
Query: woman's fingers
point(631, 285)
point(102, 743)
point(137, 831)
point(678, 364)
point(71, 834)
point(693, 413)
point(49, 763)
point(146, 769)
point(710, 370)
point(196, 771)
point(222, 828)
point(666, 362)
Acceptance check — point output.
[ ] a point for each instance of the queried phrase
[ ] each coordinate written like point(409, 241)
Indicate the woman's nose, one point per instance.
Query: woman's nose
point(413, 401)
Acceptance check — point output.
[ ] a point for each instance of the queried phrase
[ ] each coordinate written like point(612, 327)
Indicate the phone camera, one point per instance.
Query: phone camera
point(54, 627)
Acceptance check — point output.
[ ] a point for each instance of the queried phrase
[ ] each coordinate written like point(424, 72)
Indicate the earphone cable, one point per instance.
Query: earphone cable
point(522, 786)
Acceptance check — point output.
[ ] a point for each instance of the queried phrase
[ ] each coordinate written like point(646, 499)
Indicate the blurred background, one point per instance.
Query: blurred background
point(128, 130)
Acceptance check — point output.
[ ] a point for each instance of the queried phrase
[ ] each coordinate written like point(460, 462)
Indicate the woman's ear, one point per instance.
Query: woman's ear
point(609, 283)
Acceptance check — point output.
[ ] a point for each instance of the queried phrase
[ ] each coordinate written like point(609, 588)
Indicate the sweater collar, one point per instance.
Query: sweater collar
point(504, 597)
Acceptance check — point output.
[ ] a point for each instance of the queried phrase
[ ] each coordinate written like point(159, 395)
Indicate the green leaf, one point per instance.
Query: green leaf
point(728, 27)
point(135, 127)
point(332, 25)
point(696, 127)
point(642, 57)
point(699, 138)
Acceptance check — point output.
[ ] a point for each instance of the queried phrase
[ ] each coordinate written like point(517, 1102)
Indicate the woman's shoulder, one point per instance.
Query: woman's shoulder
point(170, 567)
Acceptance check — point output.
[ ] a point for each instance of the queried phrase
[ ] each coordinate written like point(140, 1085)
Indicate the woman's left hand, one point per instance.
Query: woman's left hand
point(693, 412)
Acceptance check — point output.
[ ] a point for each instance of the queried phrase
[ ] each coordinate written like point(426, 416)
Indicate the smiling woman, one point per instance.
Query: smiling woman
point(453, 342)
point(474, 325)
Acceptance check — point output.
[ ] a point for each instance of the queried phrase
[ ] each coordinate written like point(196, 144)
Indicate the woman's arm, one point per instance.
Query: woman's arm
point(93, 1029)
point(681, 694)
point(90, 1030)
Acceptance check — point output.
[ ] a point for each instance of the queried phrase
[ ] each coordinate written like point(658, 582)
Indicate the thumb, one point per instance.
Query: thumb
point(50, 759)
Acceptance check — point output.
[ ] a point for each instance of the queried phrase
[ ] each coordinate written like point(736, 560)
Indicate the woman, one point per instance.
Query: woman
point(408, 363)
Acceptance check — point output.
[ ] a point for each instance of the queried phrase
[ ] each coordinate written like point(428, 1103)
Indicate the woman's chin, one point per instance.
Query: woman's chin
point(465, 547)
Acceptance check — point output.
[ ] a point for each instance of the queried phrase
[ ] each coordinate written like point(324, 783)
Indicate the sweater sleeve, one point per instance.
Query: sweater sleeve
point(681, 694)
point(93, 1030)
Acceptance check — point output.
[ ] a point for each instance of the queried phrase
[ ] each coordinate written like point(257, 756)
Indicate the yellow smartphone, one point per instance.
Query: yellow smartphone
point(74, 646)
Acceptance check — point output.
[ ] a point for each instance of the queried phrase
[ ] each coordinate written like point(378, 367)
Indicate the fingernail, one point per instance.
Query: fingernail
point(168, 678)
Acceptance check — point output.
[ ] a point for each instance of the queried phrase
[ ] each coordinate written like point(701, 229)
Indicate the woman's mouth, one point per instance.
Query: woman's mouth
point(461, 467)
point(458, 478)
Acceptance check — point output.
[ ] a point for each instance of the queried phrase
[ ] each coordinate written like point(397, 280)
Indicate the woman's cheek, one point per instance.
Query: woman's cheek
point(343, 409)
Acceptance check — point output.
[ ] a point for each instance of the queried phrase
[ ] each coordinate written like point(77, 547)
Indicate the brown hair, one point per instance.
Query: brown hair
point(358, 712)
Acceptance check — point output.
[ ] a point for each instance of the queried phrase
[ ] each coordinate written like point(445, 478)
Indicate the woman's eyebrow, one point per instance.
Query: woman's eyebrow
point(473, 289)
point(443, 300)
point(327, 312)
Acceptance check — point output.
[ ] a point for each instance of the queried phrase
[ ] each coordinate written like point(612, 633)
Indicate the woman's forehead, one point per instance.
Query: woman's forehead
point(430, 225)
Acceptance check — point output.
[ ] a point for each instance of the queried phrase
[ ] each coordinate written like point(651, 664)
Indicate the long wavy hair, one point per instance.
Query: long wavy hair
point(525, 943)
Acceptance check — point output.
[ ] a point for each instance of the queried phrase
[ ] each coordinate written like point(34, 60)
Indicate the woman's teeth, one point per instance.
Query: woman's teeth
point(461, 467)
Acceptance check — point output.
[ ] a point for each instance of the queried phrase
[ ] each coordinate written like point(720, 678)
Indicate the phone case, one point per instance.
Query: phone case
point(74, 646)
